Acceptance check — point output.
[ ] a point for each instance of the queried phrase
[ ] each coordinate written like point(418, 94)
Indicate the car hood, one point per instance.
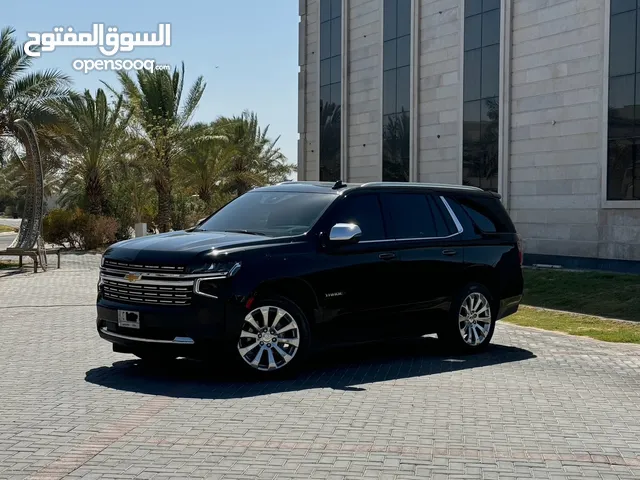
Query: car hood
point(185, 248)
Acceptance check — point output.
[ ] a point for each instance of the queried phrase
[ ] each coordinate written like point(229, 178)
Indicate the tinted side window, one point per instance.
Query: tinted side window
point(483, 222)
point(488, 214)
point(364, 211)
point(410, 215)
point(444, 223)
point(461, 214)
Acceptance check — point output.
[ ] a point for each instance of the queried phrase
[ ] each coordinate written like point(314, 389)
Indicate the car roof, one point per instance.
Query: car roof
point(338, 188)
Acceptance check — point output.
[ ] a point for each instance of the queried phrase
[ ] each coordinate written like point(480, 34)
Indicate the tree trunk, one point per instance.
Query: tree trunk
point(205, 196)
point(95, 195)
point(165, 207)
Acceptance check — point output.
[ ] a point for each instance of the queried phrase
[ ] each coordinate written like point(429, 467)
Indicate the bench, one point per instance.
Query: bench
point(29, 252)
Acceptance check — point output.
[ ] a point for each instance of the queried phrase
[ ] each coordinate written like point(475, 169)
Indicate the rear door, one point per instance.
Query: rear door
point(428, 241)
point(492, 243)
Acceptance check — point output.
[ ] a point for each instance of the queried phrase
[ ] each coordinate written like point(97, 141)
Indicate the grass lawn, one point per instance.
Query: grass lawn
point(576, 324)
point(6, 228)
point(588, 295)
point(610, 295)
point(4, 265)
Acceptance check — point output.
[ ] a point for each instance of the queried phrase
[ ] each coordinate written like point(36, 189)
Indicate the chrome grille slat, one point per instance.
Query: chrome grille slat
point(137, 267)
point(148, 290)
point(150, 301)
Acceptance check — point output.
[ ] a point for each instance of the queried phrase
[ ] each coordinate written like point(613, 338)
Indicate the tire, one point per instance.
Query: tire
point(256, 353)
point(482, 325)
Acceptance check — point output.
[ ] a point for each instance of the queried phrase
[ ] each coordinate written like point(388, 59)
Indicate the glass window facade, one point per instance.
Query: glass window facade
point(330, 88)
point(623, 152)
point(480, 93)
point(396, 87)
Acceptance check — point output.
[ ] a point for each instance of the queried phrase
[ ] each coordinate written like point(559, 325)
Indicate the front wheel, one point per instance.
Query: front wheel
point(471, 320)
point(274, 337)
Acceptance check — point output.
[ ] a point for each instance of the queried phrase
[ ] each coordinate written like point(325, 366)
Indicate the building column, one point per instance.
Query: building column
point(344, 108)
point(414, 132)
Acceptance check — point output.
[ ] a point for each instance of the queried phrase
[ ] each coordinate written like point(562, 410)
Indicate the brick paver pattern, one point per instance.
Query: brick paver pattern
point(537, 405)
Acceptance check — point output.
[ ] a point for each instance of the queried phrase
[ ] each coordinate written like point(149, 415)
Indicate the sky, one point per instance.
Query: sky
point(246, 50)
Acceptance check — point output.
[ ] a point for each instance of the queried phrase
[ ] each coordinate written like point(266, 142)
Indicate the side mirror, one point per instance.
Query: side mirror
point(345, 233)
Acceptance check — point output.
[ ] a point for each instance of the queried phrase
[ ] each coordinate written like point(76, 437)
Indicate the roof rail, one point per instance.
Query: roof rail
point(419, 184)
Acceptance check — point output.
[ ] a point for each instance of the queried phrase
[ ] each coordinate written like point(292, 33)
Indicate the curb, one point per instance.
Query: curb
point(565, 334)
point(577, 314)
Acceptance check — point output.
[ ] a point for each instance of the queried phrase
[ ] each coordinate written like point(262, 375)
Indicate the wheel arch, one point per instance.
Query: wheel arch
point(484, 275)
point(295, 289)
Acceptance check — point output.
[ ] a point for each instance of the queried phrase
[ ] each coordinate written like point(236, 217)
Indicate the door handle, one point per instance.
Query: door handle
point(387, 256)
point(449, 252)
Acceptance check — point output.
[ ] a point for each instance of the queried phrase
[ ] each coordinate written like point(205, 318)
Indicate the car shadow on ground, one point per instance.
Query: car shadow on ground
point(340, 369)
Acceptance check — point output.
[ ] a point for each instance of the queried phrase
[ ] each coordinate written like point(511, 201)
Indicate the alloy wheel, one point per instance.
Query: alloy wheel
point(474, 319)
point(269, 339)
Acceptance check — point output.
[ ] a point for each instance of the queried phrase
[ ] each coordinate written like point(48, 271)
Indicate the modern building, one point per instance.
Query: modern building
point(538, 100)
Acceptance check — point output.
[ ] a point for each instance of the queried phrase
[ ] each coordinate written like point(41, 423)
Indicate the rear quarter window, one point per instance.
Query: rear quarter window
point(486, 213)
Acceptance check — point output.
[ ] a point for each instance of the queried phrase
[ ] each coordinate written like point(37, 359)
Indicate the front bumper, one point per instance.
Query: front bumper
point(187, 330)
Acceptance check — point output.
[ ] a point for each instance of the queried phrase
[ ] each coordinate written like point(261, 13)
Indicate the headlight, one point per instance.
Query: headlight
point(101, 261)
point(218, 268)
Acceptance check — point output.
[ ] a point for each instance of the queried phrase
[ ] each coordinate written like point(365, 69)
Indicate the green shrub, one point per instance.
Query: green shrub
point(57, 227)
point(79, 229)
point(187, 210)
point(94, 231)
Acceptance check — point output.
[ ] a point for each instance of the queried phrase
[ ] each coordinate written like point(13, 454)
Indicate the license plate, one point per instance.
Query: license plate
point(128, 319)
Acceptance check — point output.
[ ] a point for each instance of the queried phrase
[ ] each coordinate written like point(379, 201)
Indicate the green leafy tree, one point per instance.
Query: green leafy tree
point(26, 98)
point(93, 131)
point(162, 127)
point(205, 164)
point(256, 159)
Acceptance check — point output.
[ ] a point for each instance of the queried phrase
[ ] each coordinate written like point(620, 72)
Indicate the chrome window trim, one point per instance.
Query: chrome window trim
point(196, 287)
point(175, 341)
point(453, 216)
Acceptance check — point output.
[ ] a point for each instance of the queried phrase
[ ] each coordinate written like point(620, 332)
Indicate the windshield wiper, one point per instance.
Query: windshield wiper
point(247, 232)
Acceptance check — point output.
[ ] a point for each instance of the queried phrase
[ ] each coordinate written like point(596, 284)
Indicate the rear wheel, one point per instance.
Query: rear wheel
point(274, 338)
point(471, 321)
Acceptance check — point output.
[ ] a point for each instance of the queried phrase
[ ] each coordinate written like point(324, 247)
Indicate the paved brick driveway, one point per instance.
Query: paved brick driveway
point(538, 405)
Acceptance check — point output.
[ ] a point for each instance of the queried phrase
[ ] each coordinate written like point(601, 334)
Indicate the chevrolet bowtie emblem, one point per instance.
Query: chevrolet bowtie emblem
point(132, 277)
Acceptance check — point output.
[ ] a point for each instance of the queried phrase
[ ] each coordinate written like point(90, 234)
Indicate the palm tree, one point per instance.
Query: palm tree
point(93, 132)
point(204, 166)
point(131, 196)
point(26, 107)
point(26, 95)
point(256, 160)
point(162, 126)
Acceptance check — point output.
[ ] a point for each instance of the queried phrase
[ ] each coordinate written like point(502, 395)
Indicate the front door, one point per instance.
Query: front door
point(355, 285)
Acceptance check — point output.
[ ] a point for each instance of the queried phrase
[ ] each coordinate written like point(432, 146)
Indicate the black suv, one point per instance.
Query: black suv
point(286, 268)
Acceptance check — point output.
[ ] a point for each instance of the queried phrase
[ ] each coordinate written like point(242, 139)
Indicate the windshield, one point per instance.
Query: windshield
point(273, 214)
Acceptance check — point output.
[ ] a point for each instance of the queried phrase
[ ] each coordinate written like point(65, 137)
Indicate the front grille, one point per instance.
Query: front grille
point(162, 294)
point(137, 267)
